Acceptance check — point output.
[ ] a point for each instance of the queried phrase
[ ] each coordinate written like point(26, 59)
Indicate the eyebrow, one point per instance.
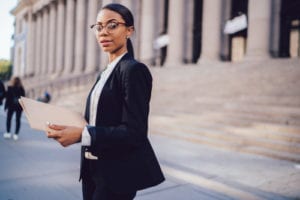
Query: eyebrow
point(110, 20)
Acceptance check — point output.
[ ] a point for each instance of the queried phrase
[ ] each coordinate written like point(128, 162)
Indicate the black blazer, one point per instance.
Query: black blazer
point(126, 160)
point(12, 96)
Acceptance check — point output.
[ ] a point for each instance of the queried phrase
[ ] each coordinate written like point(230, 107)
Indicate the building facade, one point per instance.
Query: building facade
point(52, 37)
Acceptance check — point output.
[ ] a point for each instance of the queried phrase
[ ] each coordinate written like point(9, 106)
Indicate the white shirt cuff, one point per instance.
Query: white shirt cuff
point(85, 137)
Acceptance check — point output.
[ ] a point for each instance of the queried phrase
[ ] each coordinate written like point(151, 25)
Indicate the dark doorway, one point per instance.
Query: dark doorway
point(237, 41)
point(289, 27)
point(197, 30)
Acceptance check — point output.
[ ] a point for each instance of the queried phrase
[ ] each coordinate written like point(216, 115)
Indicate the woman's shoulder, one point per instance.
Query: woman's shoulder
point(131, 64)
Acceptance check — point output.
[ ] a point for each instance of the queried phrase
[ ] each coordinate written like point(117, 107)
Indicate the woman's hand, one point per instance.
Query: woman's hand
point(65, 135)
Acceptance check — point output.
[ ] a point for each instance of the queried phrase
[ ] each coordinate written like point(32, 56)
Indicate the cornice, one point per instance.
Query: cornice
point(22, 4)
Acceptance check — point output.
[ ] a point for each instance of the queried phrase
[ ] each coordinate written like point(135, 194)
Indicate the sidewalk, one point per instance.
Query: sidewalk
point(35, 167)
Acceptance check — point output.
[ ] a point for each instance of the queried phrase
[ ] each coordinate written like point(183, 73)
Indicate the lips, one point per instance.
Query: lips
point(105, 43)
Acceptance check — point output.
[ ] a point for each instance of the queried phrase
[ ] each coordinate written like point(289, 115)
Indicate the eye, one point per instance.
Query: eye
point(112, 25)
point(99, 27)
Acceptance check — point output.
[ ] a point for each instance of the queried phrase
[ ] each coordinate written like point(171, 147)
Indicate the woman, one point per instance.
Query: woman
point(14, 92)
point(2, 92)
point(117, 158)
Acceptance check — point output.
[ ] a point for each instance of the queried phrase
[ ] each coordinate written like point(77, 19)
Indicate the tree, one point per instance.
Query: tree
point(5, 69)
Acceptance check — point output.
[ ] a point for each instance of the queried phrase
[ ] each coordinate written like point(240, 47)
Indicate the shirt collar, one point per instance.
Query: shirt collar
point(115, 61)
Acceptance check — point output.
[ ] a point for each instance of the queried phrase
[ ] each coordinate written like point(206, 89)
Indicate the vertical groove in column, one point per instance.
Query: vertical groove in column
point(38, 43)
point(29, 44)
point(60, 45)
point(52, 38)
point(69, 37)
point(91, 53)
point(147, 32)
point(188, 31)
point(45, 41)
point(80, 36)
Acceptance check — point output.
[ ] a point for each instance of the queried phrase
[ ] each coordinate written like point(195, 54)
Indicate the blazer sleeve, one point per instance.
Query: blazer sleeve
point(132, 131)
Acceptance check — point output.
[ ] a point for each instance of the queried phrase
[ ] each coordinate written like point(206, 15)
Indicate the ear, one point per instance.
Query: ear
point(130, 31)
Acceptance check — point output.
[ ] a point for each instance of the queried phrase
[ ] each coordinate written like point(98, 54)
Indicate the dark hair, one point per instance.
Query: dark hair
point(128, 18)
point(16, 82)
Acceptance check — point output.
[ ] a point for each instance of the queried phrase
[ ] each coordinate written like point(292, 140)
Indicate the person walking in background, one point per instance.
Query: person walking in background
point(14, 92)
point(117, 157)
point(45, 98)
point(2, 92)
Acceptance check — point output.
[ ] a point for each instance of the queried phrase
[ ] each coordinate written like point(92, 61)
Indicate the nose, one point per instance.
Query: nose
point(103, 32)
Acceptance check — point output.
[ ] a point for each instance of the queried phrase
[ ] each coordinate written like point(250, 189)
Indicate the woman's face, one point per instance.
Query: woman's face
point(113, 37)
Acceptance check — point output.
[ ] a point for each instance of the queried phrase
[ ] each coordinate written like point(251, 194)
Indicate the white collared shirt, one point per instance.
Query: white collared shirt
point(94, 99)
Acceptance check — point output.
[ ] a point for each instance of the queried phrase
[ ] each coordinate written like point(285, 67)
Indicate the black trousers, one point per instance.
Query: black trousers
point(10, 113)
point(94, 188)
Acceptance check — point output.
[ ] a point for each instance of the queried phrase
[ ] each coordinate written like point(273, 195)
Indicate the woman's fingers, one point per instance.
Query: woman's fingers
point(56, 126)
point(51, 133)
point(65, 135)
point(54, 130)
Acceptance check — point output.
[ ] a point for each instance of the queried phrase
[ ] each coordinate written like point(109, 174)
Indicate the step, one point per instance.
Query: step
point(223, 135)
point(263, 110)
point(227, 145)
point(219, 120)
point(271, 100)
point(227, 136)
point(273, 154)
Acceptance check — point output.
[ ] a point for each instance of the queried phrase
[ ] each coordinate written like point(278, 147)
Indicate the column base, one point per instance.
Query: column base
point(204, 61)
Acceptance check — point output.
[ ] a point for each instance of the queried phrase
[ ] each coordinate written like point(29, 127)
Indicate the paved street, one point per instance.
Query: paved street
point(35, 167)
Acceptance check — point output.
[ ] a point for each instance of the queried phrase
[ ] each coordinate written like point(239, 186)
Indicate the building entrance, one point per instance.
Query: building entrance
point(197, 30)
point(289, 29)
point(238, 40)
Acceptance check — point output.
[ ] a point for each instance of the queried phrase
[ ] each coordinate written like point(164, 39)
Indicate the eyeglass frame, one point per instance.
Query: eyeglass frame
point(105, 27)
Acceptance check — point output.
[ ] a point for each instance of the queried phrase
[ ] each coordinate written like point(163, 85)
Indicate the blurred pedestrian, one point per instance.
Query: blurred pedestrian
point(14, 92)
point(117, 157)
point(2, 92)
point(45, 98)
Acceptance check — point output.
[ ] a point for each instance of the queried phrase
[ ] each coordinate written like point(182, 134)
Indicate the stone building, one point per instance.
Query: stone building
point(53, 38)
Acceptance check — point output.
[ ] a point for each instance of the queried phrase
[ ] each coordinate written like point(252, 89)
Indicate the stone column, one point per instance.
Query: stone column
point(81, 29)
point(259, 13)
point(135, 8)
point(226, 15)
point(275, 28)
point(211, 30)
point(92, 47)
point(188, 31)
point(52, 38)
point(60, 37)
point(69, 37)
point(45, 41)
point(126, 3)
point(175, 32)
point(147, 32)
point(159, 27)
point(30, 44)
point(38, 44)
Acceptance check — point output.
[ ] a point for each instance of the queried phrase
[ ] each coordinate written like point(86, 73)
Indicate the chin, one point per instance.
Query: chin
point(105, 49)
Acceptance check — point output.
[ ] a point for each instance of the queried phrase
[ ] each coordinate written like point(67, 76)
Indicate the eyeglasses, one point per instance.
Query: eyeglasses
point(109, 27)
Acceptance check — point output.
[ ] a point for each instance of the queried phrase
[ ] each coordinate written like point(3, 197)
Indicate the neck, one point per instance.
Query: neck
point(112, 56)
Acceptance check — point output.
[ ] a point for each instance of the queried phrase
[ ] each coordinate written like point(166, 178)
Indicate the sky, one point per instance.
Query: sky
point(7, 28)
